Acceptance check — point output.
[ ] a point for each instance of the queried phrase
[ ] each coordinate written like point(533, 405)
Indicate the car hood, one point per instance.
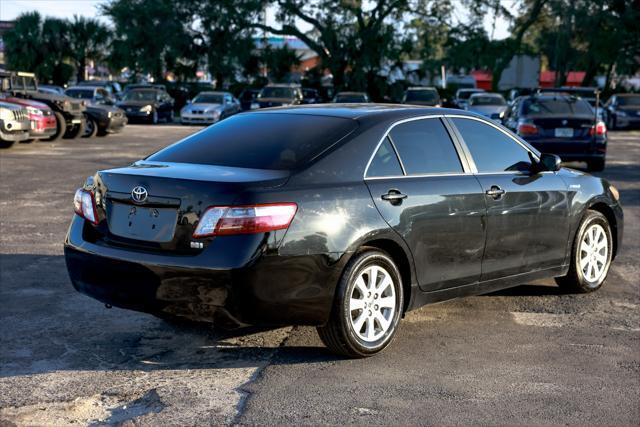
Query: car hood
point(26, 102)
point(10, 106)
point(201, 107)
point(103, 108)
point(487, 110)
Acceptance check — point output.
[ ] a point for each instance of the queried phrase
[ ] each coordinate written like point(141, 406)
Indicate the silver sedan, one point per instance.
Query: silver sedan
point(209, 107)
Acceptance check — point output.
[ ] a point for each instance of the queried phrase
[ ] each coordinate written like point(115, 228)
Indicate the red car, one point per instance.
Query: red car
point(43, 121)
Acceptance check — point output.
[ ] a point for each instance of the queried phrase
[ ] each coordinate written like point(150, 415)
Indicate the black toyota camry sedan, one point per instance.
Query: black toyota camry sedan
point(339, 216)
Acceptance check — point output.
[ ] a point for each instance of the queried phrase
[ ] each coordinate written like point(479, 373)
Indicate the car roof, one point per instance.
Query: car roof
point(213, 92)
point(364, 111)
point(291, 85)
point(85, 87)
point(422, 88)
point(479, 94)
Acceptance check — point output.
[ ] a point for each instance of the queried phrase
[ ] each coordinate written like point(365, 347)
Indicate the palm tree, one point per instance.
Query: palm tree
point(88, 39)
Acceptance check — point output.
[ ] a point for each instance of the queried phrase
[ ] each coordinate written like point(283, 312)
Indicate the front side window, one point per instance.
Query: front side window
point(491, 149)
point(384, 162)
point(424, 146)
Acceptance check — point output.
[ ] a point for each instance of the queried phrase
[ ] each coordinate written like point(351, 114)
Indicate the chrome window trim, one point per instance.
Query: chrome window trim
point(386, 134)
point(395, 150)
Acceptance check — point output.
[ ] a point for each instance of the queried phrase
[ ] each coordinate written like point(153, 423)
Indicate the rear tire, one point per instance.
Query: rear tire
point(61, 127)
point(367, 308)
point(6, 144)
point(590, 255)
point(596, 165)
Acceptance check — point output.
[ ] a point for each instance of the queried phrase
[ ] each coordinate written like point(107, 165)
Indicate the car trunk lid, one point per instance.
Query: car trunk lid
point(157, 205)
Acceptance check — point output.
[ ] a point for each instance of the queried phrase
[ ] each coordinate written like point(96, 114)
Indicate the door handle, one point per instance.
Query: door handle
point(495, 192)
point(394, 197)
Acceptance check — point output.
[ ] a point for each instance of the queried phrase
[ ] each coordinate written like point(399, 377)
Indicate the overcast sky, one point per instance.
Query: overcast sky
point(10, 9)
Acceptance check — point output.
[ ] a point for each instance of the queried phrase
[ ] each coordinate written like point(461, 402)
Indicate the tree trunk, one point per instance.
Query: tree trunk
point(81, 69)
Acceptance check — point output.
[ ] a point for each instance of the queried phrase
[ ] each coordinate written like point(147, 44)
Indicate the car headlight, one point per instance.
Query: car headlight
point(622, 113)
point(146, 109)
point(34, 111)
point(501, 114)
point(109, 114)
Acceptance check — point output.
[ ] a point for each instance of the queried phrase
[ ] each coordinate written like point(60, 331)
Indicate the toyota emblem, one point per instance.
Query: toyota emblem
point(139, 194)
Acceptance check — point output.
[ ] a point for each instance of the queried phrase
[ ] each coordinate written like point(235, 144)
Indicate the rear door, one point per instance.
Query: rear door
point(420, 186)
point(527, 213)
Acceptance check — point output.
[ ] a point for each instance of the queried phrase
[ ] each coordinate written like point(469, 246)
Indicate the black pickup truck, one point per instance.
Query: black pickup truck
point(68, 111)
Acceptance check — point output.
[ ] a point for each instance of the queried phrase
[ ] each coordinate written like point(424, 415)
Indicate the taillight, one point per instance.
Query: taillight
point(85, 205)
point(227, 220)
point(599, 129)
point(527, 129)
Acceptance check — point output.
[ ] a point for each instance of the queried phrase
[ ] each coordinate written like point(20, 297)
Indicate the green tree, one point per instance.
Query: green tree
point(279, 61)
point(88, 40)
point(39, 46)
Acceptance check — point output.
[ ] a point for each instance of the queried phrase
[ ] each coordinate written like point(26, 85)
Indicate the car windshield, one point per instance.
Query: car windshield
point(465, 94)
point(350, 97)
point(276, 92)
point(428, 95)
point(208, 98)
point(629, 100)
point(285, 141)
point(541, 106)
point(140, 95)
point(487, 100)
point(80, 93)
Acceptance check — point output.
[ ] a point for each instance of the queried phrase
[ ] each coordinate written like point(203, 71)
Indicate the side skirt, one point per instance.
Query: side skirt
point(420, 298)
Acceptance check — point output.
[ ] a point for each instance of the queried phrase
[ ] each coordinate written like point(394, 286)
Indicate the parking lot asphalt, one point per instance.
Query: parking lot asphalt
point(528, 356)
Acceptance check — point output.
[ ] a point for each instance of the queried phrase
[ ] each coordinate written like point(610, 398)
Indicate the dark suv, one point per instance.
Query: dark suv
point(623, 110)
point(560, 124)
point(68, 111)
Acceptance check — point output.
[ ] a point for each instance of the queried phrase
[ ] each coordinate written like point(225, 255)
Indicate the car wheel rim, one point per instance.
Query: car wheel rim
point(594, 251)
point(89, 128)
point(372, 303)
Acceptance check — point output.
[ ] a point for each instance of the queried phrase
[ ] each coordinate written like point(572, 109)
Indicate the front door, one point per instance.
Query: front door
point(430, 200)
point(527, 213)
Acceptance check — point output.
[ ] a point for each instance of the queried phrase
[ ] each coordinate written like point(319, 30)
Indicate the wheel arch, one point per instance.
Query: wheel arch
point(403, 260)
point(607, 211)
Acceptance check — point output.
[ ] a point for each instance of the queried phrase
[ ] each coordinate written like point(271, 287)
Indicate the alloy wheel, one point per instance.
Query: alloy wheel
point(372, 303)
point(594, 253)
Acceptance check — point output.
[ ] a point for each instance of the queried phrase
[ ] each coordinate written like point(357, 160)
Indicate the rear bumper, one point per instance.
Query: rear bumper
point(211, 286)
point(574, 150)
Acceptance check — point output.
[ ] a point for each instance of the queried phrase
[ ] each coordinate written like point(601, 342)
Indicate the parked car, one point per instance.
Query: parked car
point(492, 105)
point(43, 122)
point(112, 87)
point(69, 112)
point(14, 124)
point(102, 116)
point(462, 97)
point(209, 107)
point(58, 90)
point(278, 95)
point(343, 218)
point(132, 86)
point(622, 110)
point(350, 98)
point(249, 99)
point(310, 96)
point(422, 95)
point(147, 105)
point(562, 125)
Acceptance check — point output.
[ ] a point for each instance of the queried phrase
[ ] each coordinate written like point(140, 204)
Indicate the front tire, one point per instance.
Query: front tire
point(590, 256)
point(368, 306)
point(61, 127)
point(76, 131)
point(91, 127)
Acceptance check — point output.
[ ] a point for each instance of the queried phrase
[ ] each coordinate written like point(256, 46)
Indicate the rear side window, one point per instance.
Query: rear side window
point(424, 146)
point(491, 149)
point(260, 141)
point(385, 162)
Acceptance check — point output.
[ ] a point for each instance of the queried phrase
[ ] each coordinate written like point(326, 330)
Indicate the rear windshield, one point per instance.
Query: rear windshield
point(422, 95)
point(556, 106)
point(465, 94)
point(629, 100)
point(487, 100)
point(284, 141)
point(79, 93)
point(276, 92)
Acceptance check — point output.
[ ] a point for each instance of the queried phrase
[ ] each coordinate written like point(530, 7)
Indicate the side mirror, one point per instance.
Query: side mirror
point(550, 162)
